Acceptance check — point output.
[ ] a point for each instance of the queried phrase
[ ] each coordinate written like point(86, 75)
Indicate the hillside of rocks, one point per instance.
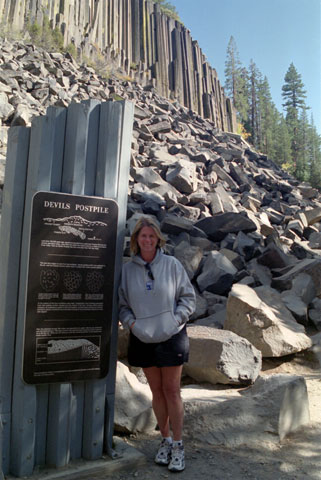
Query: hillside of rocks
point(248, 234)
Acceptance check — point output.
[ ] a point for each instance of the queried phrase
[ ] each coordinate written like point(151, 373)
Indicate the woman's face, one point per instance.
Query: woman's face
point(147, 241)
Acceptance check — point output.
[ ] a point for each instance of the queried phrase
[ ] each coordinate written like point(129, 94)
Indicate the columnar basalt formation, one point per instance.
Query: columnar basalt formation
point(137, 38)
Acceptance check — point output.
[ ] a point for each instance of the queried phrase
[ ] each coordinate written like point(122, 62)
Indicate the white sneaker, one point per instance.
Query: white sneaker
point(177, 463)
point(163, 454)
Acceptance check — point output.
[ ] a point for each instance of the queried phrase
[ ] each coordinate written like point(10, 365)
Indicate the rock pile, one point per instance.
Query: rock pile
point(248, 234)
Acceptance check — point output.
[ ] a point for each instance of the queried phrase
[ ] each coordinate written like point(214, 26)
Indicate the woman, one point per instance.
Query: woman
point(156, 299)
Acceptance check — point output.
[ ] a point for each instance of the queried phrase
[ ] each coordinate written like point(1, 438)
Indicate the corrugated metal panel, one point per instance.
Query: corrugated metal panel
point(84, 149)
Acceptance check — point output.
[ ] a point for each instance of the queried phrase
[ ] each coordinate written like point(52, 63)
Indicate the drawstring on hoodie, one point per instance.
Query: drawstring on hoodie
point(149, 271)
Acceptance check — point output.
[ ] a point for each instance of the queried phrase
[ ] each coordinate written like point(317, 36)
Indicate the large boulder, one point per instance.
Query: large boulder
point(189, 256)
point(219, 226)
point(311, 267)
point(218, 356)
point(217, 274)
point(133, 403)
point(265, 413)
point(182, 176)
point(261, 317)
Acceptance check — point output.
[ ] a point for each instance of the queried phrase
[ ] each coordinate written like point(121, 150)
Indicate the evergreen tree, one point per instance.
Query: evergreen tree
point(302, 162)
point(314, 156)
point(265, 110)
point(293, 90)
point(294, 96)
point(291, 141)
point(236, 81)
point(253, 123)
point(232, 70)
point(242, 98)
point(282, 144)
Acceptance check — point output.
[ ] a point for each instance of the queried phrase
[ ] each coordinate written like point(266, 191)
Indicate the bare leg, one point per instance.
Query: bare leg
point(171, 382)
point(154, 378)
point(167, 403)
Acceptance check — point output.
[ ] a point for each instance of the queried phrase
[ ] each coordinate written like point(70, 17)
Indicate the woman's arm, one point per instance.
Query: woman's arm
point(126, 315)
point(185, 294)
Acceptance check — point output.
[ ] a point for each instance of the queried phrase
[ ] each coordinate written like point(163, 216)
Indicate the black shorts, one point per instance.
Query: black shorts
point(172, 352)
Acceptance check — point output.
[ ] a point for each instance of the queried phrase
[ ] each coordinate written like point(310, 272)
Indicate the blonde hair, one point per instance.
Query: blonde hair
point(145, 221)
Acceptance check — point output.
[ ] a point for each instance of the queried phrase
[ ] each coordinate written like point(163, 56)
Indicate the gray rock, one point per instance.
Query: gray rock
point(133, 403)
point(313, 215)
point(310, 266)
point(218, 356)
point(303, 287)
point(233, 257)
point(238, 174)
point(274, 257)
point(148, 176)
point(244, 245)
point(176, 225)
point(296, 306)
point(315, 313)
point(216, 320)
point(315, 240)
point(223, 175)
point(182, 177)
point(266, 413)
point(219, 226)
point(190, 257)
point(220, 197)
point(217, 274)
point(201, 306)
point(260, 316)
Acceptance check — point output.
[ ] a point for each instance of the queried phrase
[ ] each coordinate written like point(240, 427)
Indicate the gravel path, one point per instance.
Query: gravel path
point(297, 457)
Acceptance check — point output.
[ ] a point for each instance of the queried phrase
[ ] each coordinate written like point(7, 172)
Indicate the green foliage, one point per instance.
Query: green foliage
point(169, 9)
point(98, 62)
point(58, 38)
point(314, 156)
point(294, 96)
point(44, 36)
point(292, 142)
point(34, 32)
point(293, 89)
point(71, 49)
point(236, 84)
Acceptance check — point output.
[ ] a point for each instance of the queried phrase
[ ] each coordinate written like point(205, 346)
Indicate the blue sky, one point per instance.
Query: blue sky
point(273, 33)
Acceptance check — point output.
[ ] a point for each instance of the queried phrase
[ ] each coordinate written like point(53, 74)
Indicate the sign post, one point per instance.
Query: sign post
point(70, 288)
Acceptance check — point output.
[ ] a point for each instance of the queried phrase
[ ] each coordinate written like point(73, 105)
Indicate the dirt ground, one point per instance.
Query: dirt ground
point(297, 457)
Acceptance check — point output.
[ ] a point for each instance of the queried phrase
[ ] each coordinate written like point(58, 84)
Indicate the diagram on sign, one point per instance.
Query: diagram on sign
point(72, 280)
point(74, 225)
point(95, 281)
point(67, 350)
point(49, 280)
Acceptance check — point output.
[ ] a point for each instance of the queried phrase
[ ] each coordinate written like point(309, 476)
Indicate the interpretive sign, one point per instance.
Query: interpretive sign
point(70, 288)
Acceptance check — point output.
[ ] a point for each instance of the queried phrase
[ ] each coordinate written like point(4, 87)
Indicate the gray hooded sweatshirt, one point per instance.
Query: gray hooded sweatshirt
point(159, 307)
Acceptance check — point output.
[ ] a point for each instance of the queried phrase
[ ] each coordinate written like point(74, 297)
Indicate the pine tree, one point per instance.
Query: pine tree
point(302, 163)
point(291, 141)
point(293, 90)
point(314, 156)
point(282, 144)
point(253, 123)
point(294, 99)
point(236, 81)
point(265, 107)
